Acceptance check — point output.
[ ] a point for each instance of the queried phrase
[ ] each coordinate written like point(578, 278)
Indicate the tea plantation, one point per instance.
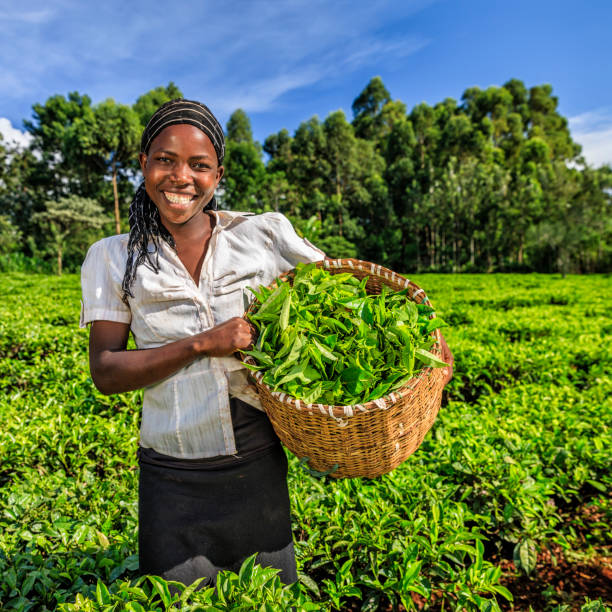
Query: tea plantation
point(505, 506)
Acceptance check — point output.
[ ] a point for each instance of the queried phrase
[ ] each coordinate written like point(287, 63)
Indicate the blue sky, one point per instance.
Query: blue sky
point(283, 61)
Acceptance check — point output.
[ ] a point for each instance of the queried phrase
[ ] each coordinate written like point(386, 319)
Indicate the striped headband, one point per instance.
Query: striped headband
point(180, 111)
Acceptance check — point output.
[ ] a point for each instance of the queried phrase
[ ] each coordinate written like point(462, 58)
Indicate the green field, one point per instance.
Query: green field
point(506, 505)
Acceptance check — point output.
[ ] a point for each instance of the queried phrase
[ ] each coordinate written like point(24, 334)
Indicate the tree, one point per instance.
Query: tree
point(278, 147)
point(66, 221)
point(10, 236)
point(575, 233)
point(340, 153)
point(109, 137)
point(239, 127)
point(243, 178)
point(62, 168)
point(245, 172)
point(278, 194)
point(367, 108)
point(546, 123)
point(308, 168)
point(149, 102)
point(21, 190)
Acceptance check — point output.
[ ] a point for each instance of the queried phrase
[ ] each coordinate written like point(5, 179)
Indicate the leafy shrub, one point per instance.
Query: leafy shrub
point(517, 464)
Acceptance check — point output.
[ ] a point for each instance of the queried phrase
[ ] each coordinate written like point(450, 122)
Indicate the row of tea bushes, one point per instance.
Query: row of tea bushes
point(516, 464)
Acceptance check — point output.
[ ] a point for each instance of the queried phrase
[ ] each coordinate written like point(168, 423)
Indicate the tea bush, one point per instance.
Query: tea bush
point(517, 464)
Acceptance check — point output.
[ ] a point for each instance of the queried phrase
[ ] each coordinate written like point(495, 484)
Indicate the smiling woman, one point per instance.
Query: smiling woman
point(212, 485)
point(181, 173)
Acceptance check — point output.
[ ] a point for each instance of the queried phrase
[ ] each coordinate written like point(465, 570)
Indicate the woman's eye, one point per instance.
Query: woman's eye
point(163, 159)
point(201, 166)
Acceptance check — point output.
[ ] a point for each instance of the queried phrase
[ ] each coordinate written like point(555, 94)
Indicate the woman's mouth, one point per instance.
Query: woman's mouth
point(179, 198)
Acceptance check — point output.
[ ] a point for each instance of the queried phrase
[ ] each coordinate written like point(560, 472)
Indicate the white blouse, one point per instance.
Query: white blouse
point(187, 415)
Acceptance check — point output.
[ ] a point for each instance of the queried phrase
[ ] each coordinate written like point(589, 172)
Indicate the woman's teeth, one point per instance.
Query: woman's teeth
point(175, 198)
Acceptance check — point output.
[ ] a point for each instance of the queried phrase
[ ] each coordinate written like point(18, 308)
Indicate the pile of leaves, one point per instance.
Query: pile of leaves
point(323, 339)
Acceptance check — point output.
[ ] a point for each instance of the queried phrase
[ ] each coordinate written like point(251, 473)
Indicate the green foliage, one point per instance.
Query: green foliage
point(62, 168)
point(244, 175)
point(517, 463)
point(323, 339)
point(253, 588)
point(148, 103)
point(109, 139)
point(67, 221)
point(239, 127)
point(10, 236)
point(484, 183)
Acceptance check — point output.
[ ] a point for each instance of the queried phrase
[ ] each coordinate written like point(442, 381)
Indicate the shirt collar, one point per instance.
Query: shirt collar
point(225, 218)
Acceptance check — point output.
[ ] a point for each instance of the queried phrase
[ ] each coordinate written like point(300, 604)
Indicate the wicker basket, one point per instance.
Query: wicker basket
point(365, 439)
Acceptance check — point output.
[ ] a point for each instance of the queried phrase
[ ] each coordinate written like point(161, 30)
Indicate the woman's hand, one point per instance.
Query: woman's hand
point(115, 369)
point(233, 335)
point(447, 357)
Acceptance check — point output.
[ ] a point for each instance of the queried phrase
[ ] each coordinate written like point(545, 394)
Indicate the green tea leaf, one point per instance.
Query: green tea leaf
point(429, 358)
point(273, 303)
point(526, 555)
point(284, 316)
point(324, 351)
point(261, 357)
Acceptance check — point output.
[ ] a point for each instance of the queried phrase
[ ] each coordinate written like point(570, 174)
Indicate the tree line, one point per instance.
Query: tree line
point(491, 183)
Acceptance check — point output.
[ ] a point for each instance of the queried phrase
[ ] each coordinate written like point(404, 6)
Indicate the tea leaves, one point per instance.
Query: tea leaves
point(346, 347)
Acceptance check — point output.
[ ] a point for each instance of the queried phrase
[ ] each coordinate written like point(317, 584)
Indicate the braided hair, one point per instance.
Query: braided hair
point(146, 229)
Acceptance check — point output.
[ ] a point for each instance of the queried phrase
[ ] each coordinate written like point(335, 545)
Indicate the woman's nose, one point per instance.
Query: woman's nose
point(181, 171)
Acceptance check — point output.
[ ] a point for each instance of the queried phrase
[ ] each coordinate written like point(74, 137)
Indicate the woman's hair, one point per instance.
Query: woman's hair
point(146, 229)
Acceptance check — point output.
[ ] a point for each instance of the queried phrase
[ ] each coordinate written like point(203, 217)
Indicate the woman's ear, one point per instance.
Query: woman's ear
point(220, 171)
point(142, 158)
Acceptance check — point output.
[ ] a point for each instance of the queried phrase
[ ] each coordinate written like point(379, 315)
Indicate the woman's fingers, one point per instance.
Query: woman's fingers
point(447, 356)
point(254, 334)
point(243, 334)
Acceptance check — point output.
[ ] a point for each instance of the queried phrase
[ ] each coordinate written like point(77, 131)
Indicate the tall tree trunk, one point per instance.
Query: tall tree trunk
point(339, 199)
point(454, 254)
point(427, 232)
point(116, 195)
point(442, 259)
point(432, 256)
point(472, 248)
point(59, 260)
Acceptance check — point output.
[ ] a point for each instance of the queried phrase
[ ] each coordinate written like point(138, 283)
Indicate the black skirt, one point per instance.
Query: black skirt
point(195, 522)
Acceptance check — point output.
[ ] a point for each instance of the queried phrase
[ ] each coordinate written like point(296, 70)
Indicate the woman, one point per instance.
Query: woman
point(212, 484)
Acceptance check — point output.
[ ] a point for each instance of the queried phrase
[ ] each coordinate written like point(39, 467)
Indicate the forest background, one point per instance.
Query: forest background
point(492, 183)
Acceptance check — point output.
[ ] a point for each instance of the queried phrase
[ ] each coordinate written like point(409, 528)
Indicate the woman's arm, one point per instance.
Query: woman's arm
point(115, 369)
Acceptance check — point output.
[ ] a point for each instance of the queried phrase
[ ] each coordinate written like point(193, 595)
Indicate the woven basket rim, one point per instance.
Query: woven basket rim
point(382, 403)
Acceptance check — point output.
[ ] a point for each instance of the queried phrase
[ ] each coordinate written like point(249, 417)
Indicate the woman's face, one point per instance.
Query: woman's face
point(181, 173)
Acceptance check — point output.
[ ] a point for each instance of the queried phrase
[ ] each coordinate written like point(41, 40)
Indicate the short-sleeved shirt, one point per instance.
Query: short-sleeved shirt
point(187, 415)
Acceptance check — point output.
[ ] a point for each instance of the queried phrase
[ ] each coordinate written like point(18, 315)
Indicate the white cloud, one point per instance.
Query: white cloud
point(260, 95)
point(247, 55)
point(12, 135)
point(30, 17)
point(593, 130)
point(379, 48)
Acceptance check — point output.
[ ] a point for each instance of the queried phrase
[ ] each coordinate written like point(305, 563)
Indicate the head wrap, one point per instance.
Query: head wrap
point(180, 111)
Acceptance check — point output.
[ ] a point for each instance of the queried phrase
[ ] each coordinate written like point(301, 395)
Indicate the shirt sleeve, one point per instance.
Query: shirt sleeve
point(291, 249)
point(101, 288)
